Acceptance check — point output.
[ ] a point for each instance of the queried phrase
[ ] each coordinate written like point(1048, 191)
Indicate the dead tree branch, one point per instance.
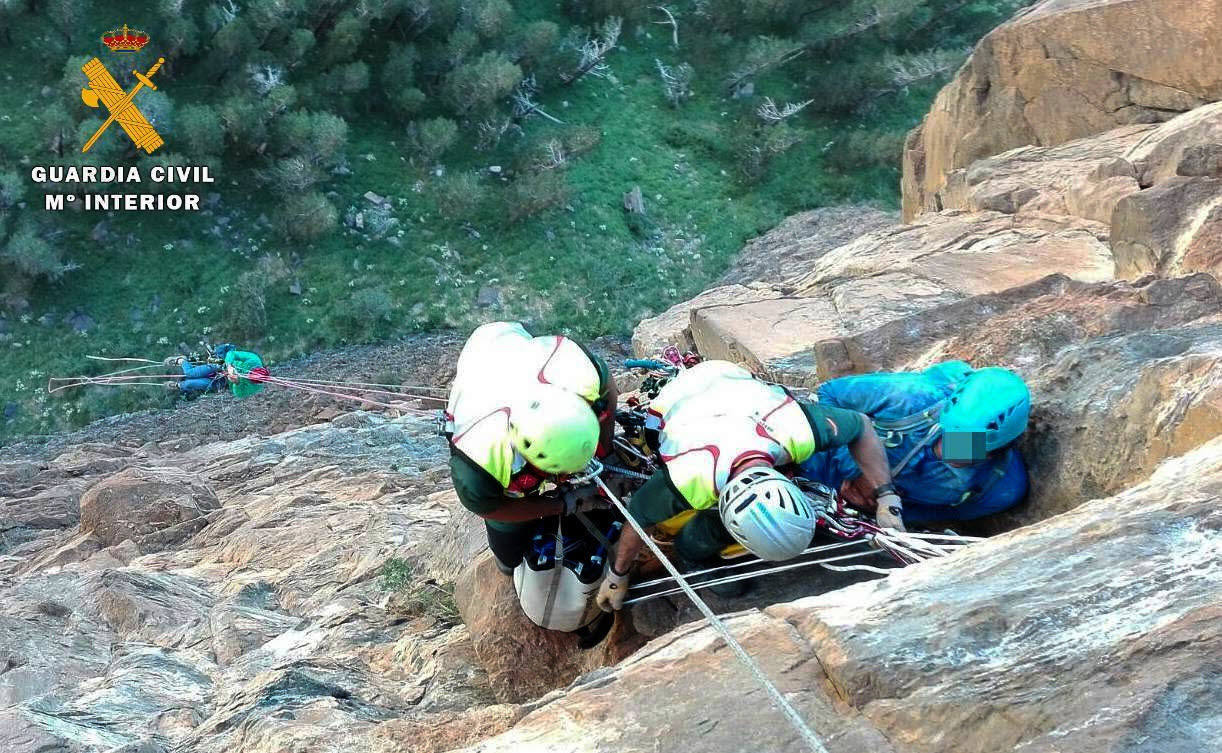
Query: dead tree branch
point(674, 25)
point(594, 49)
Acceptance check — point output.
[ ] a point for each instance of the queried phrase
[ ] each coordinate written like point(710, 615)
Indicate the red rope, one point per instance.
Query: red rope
point(344, 396)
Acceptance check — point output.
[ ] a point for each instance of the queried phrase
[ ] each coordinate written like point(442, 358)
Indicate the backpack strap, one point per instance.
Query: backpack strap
point(893, 432)
point(1000, 466)
point(929, 437)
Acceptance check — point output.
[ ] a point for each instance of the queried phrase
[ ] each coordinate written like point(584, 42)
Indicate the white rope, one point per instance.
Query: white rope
point(137, 360)
point(799, 724)
point(769, 571)
point(747, 563)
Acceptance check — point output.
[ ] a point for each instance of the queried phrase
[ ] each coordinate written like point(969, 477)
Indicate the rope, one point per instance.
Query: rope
point(768, 571)
point(366, 391)
point(137, 360)
point(340, 382)
point(107, 380)
point(804, 731)
point(746, 563)
point(344, 396)
point(626, 472)
point(109, 384)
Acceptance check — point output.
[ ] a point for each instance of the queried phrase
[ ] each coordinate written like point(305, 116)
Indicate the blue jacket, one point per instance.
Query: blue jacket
point(932, 489)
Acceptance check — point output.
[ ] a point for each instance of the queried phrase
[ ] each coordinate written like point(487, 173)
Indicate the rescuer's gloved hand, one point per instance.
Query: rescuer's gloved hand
point(613, 590)
point(890, 512)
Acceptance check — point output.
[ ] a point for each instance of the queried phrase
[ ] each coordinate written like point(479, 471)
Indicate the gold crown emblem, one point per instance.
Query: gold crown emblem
point(125, 39)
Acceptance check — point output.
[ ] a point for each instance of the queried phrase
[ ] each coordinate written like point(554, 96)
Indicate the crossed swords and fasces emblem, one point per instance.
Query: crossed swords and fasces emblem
point(104, 88)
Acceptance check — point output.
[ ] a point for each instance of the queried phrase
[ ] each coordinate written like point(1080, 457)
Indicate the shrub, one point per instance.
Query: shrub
point(345, 80)
point(32, 256)
point(676, 82)
point(344, 39)
point(307, 217)
point(58, 127)
point(407, 100)
point(760, 145)
point(366, 313)
point(231, 47)
point(298, 46)
point(581, 139)
point(399, 70)
point(245, 311)
point(12, 189)
point(489, 17)
point(398, 76)
point(419, 596)
point(534, 193)
point(535, 42)
point(864, 149)
point(476, 86)
point(459, 195)
point(460, 44)
point(292, 175)
point(318, 137)
point(199, 127)
point(431, 138)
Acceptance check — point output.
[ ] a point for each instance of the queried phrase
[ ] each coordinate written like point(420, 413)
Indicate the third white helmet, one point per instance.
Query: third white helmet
point(767, 513)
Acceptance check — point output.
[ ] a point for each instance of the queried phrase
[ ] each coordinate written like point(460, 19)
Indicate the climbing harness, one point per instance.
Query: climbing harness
point(804, 731)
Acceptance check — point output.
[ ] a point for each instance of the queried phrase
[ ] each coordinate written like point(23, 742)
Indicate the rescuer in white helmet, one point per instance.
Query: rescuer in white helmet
point(523, 410)
point(722, 437)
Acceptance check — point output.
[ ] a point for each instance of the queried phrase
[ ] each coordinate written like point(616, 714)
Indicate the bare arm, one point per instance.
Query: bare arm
point(524, 510)
point(627, 549)
point(607, 423)
point(867, 450)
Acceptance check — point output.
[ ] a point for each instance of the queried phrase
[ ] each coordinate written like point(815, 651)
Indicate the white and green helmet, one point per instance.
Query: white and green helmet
point(554, 429)
point(767, 513)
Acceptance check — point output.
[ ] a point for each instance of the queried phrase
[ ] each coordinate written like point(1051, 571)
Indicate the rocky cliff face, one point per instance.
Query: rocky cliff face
point(1062, 70)
point(1096, 630)
point(219, 581)
point(229, 597)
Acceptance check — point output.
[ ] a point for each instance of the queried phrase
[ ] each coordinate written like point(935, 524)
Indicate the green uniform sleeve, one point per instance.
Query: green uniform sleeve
point(657, 500)
point(833, 427)
point(477, 490)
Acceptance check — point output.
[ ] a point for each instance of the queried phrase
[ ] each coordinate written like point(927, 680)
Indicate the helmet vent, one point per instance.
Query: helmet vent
point(745, 503)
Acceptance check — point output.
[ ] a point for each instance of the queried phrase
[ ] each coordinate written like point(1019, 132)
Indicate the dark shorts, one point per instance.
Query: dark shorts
point(700, 541)
point(510, 541)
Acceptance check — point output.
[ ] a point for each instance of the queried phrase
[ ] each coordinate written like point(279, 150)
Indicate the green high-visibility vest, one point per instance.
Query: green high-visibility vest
point(497, 361)
point(715, 414)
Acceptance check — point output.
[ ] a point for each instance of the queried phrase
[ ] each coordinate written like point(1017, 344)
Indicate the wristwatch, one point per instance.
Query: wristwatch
point(885, 489)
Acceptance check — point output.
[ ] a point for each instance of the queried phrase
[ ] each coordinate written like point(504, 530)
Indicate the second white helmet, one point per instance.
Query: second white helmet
point(767, 513)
